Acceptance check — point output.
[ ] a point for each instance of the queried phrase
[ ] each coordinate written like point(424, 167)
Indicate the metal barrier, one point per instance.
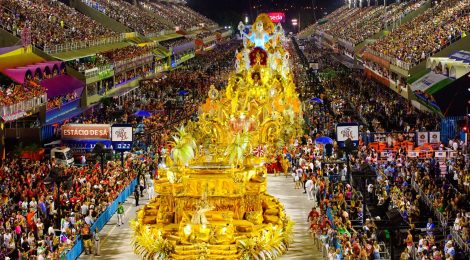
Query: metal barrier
point(459, 240)
point(443, 220)
point(346, 44)
point(77, 249)
point(394, 61)
point(12, 112)
point(96, 71)
point(75, 45)
point(384, 254)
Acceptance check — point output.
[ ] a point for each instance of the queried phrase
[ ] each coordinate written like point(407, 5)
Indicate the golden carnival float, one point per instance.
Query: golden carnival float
point(212, 201)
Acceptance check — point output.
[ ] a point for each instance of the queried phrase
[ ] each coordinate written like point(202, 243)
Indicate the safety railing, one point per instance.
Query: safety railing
point(76, 45)
point(18, 110)
point(160, 33)
point(443, 220)
point(89, 73)
point(459, 240)
point(77, 249)
point(394, 61)
point(134, 62)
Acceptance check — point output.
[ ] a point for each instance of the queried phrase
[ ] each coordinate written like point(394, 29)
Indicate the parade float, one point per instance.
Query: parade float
point(212, 201)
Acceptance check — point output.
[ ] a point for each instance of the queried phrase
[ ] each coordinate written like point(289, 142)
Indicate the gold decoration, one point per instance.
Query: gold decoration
point(212, 201)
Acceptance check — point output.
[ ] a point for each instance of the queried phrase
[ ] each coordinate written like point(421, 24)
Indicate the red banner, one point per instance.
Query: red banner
point(277, 17)
point(83, 131)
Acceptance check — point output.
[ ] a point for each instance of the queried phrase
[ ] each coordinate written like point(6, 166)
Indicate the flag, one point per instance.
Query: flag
point(258, 151)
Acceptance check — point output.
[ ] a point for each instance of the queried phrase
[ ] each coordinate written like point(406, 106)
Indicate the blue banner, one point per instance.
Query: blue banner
point(78, 248)
point(85, 145)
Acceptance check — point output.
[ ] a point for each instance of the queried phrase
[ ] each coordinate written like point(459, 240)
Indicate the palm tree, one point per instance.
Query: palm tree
point(235, 151)
point(184, 146)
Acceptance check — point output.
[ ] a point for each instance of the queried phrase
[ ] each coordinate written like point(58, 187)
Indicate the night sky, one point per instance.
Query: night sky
point(231, 12)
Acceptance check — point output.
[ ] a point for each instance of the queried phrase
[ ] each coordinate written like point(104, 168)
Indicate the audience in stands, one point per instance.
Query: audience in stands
point(132, 16)
point(126, 53)
point(178, 14)
point(417, 187)
point(29, 208)
point(428, 33)
point(174, 42)
point(14, 93)
point(57, 102)
point(49, 23)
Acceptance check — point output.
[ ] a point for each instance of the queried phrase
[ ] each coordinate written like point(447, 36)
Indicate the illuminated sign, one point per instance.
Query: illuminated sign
point(86, 132)
point(345, 131)
point(277, 17)
point(121, 136)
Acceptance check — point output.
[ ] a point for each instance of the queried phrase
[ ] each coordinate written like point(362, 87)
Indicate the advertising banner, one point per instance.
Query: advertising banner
point(423, 138)
point(434, 137)
point(345, 131)
point(86, 132)
point(121, 137)
point(277, 17)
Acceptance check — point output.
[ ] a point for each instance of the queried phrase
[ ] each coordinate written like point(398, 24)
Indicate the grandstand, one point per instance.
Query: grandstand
point(395, 41)
point(107, 46)
point(180, 15)
point(49, 22)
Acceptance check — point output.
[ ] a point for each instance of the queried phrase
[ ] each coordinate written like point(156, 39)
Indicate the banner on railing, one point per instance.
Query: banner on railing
point(77, 249)
point(423, 138)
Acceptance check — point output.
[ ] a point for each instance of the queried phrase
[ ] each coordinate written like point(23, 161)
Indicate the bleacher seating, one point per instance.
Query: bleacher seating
point(49, 22)
point(178, 14)
point(368, 21)
point(426, 34)
point(130, 15)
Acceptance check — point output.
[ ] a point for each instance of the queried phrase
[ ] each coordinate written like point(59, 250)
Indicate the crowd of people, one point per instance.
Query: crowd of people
point(126, 53)
point(35, 223)
point(178, 14)
point(30, 208)
point(372, 20)
point(57, 102)
point(428, 196)
point(174, 42)
point(49, 22)
point(16, 93)
point(428, 33)
point(130, 15)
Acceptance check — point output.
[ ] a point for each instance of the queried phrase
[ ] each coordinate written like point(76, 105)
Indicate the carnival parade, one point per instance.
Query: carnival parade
point(205, 129)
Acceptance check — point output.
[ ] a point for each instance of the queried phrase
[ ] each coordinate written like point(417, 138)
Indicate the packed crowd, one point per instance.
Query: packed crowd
point(174, 42)
point(428, 33)
point(203, 35)
point(418, 187)
point(88, 63)
point(309, 30)
point(172, 97)
point(178, 14)
point(57, 102)
point(49, 22)
point(130, 15)
point(13, 93)
point(372, 20)
point(126, 53)
point(182, 90)
point(30, 207)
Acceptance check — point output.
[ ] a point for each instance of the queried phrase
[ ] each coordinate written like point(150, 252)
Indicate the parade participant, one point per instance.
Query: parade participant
point(86, 236)
point(96, 239)
point(120, 214)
